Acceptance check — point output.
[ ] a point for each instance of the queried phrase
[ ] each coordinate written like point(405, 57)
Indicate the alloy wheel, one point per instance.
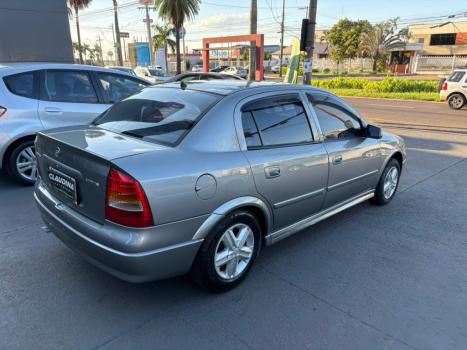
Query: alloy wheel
point(26, 163)
point(390, 182)
point(456, 101)
point(234, 251)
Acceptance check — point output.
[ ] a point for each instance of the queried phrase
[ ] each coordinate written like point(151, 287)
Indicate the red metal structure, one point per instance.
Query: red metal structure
point(258, 39)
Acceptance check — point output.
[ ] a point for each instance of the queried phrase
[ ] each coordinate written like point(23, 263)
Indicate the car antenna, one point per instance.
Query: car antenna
point(183, 85)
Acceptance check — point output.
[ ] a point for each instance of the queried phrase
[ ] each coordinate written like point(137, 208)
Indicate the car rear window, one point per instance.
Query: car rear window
point(22, 84)
point(163, 115)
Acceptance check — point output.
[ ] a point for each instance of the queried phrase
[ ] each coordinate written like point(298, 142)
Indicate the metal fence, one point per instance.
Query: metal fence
point(439, 64)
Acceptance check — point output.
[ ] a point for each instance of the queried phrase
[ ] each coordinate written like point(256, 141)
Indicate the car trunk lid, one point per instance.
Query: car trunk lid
point(74, 164)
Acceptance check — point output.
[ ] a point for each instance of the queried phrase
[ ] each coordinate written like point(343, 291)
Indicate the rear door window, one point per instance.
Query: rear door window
point(163, 115)
point(69, 86)
point(117, 87)
point(456, 77)
point(277, 121)
point(23, 84)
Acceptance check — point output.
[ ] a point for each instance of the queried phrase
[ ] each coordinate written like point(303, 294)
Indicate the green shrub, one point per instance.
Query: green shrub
point(386, 85)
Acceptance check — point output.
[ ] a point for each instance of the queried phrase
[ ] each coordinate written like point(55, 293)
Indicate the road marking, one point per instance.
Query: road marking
point(390, 106)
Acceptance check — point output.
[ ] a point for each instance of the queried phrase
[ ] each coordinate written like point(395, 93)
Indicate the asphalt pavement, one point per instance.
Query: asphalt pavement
point(390, 277)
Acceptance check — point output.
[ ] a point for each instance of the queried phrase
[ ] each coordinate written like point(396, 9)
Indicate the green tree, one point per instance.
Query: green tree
point(383, 36)
point(344, 38)
point(77, 5)
point(177, 12)
point(163, 38)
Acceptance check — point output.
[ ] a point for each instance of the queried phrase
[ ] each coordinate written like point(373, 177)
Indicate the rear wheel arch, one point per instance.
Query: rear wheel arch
point(458, 93)
point(13, 145)
point(254, 205)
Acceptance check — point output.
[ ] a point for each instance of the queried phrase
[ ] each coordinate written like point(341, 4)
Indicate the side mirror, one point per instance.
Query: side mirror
point(374, 132)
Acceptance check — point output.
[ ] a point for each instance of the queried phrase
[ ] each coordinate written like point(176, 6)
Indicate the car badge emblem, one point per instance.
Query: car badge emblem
point(57, 151)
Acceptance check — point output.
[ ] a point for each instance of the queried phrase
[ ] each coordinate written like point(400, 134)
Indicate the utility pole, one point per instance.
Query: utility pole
point(310, 41)
point(100, 48)
point(118, 46)
point(282, 38)
point(253, 30)
point(148, 29)
point(115, 43)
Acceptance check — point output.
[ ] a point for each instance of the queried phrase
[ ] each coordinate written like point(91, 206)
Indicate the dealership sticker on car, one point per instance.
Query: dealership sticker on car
point(62, 183)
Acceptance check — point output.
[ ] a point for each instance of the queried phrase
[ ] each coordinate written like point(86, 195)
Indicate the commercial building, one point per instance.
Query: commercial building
point(33, 30)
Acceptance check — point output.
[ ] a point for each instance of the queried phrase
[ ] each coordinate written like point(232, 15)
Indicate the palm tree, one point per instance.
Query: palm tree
point(177, 12)
point(383, 36)
point(79, 5)
point(162, 38)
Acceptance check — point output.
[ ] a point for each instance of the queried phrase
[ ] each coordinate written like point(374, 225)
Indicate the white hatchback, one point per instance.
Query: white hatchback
point(39, 96)
point(454, 89)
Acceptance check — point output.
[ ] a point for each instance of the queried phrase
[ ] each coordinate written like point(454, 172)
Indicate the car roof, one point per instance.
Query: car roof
point(22, 67)
point(226, 87)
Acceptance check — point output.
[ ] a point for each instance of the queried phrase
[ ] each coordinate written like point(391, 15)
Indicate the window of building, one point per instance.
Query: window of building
point(443, 39)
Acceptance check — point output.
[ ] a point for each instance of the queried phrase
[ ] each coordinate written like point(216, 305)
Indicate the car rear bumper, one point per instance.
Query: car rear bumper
point(142, 266)
point(443, 95)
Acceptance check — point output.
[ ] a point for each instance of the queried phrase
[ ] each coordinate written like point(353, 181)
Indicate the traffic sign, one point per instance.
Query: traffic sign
point(150, 20)
point(124, 35)
point(182, 33)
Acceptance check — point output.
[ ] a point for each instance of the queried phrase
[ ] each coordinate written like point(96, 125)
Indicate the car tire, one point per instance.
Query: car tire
point(456, 101)
point(388, 183)
point(23, 153)
point(219, 245)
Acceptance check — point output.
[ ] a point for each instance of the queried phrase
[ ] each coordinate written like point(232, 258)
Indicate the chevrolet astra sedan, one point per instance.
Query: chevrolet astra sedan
point(198, 177)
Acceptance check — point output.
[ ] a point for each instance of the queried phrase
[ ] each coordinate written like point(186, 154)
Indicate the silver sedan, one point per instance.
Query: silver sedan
point(198, 177)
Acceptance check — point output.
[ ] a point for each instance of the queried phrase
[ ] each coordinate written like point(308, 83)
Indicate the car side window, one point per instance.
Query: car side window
point(336, 121)
point(456, 77)
point(276, 121)
point(22, 84)
point(69, 86)
point(117, 87)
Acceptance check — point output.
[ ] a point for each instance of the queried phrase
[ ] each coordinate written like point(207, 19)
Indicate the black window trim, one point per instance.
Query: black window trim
point(43, 95)
point(36, 83)
point(293, 98)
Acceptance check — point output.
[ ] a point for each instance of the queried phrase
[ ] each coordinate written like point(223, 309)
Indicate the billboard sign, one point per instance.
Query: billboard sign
point(142, 54)
point(219, 54)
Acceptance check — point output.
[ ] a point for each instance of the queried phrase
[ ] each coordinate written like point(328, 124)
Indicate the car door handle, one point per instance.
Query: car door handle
point(272, 171)
point(337, 159)
point(53, 110)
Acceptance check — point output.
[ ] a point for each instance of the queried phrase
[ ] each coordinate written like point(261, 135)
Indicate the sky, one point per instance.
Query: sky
point(227, 17)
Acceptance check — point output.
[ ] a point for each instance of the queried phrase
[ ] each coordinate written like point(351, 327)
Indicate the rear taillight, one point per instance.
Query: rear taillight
point(445, 86)
point(2, 110)
point(126, 202)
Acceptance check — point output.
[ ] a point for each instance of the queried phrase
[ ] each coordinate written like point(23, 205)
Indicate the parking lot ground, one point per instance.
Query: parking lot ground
point(390, 277)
